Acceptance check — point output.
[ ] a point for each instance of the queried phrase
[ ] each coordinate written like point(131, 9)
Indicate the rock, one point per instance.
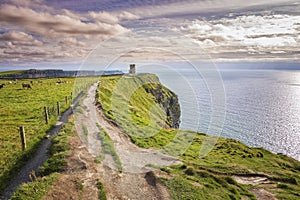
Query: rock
point(168, 100)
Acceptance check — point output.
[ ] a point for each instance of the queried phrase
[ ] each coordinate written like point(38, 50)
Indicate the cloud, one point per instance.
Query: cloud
point(71, 42)
point(27, 43)
point(18, 38)
point(186, 7)
point(127, 16)
point(260, 34)
point(72, 14)
point(31, 30)
point(27, 3)
point(112, 18)
point(104, 17)
point(55, 34)
point(26, 52)
point(46, 24)
point(15, 36)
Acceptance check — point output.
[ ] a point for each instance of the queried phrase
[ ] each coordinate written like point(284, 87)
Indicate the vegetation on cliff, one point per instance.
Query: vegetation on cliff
point(150, 114)
point(129, 101)
point(138, 105)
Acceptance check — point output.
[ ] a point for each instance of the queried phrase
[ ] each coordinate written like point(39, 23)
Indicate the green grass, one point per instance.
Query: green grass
point(126, 101)
point(26, 107)
point(101, 191)
point(35, 190)
point(108, 148)
point(231, 157)
point(191, 183)
point(85, 130)
point(58, 150)
point(49, 171)
point(6, 73)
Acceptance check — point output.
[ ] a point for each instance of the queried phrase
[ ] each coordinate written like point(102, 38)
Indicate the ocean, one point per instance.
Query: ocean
point(261, 107)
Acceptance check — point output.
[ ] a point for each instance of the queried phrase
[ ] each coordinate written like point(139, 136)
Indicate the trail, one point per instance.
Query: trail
point(41, 155)
point(137, 180)
point(261, 184)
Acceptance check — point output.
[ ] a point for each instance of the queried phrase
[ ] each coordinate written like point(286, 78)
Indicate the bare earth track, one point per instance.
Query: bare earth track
point(137, 181)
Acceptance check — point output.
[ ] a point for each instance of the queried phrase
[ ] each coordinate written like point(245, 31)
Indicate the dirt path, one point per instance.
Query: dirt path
point(137, 181)
point(80, 180)
point(251, 180)
point(262, 194)
point(260, 182)
point(133, 158)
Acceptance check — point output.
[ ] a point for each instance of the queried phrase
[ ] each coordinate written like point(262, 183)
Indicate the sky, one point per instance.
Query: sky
point(65, 34)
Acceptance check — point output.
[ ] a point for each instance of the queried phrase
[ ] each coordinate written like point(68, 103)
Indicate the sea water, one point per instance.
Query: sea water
point(262, 107)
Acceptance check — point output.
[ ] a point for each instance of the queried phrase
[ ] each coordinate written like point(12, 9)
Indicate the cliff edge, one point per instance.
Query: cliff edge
point(168, 100)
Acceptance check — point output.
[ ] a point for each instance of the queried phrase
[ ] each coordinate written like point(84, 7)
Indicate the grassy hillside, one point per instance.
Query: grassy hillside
point(25, 107)
point(5, 73)
point(126, 101)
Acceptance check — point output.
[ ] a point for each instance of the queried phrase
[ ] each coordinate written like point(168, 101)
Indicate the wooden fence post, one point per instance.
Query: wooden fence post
point(58, 108)
point(46, 114)
point(23, 138)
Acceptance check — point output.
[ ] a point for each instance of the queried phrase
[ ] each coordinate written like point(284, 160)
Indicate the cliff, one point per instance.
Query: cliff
point(140, 104)
point(148, 112)
point(168, 100)
point(54, 73)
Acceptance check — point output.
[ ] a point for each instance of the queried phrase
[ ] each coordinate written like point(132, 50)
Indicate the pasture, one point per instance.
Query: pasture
point(24, 106)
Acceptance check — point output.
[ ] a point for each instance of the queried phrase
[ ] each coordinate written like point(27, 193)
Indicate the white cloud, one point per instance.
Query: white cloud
point(32, 30)
point(15, 36)
point(256, 33)
point(187, 7)
point(127, 16)
point(18, 38)
point(104, 17)
point(112, 18)
point(71, 42)
point(62, 34)
point(50, 25)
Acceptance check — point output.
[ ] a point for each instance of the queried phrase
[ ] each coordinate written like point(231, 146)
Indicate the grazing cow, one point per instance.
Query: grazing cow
point(60, 82)
point(2, 86)
point(9, 82)
point(26, 85)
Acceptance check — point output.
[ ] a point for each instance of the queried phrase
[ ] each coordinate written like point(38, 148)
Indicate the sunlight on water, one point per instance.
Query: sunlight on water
point(263, 108)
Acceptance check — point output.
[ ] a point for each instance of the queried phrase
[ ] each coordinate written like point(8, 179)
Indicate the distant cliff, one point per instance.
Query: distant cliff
point(54, 73)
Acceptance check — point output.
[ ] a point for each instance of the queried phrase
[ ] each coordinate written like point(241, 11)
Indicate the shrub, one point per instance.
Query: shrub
point(190, 171)
point(230, 180)
point(282, 186)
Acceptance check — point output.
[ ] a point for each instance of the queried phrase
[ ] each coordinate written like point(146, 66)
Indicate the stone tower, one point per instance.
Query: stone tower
point(132, 69)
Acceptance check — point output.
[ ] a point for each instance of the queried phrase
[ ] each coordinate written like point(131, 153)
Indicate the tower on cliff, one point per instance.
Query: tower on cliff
point(132, 69)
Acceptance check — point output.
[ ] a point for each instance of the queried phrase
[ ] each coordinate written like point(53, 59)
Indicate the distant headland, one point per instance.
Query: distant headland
point(55, 73)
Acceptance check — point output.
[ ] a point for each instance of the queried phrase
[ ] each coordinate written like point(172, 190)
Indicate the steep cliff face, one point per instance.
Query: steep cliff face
point(140, 104)
point(168, 100)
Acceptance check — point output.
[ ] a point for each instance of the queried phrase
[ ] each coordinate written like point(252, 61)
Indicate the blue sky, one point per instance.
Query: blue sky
point(57, 34)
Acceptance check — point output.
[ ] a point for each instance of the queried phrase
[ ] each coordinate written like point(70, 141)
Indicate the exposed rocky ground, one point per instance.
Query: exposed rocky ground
point(137, 179)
